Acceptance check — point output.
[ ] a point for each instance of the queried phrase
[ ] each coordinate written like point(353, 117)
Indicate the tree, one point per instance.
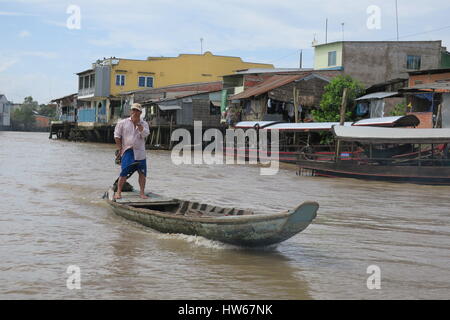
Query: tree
point(28, 102)
point(48, 110)
point(23, 118)
point(330, 104)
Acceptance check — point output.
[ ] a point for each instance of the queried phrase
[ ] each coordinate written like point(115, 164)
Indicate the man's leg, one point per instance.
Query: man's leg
point(120, 184)
point(142, 179)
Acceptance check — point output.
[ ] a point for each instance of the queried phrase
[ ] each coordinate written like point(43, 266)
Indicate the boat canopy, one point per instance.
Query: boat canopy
point(252, 124)
point(391, 135)
point(307, 126)
point(397, 121)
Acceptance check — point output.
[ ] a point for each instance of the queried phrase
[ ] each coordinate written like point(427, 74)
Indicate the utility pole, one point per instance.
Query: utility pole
point(201, 45)
point(301, 58)
point(326, 30)
point(342, 31)
point(396, 17)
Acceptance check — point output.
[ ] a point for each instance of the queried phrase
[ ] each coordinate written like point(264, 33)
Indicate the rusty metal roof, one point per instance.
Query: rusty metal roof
point(429, 87)
point(269, 84)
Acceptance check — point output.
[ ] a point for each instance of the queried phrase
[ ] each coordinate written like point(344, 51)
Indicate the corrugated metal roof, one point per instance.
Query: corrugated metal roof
point(269, 84)
point(433, 87)
point(430, 71)
point(268, 70)
point(377, 95)
point(62, 98)
point(88, 70)
point(170, 107)
point(391, 135)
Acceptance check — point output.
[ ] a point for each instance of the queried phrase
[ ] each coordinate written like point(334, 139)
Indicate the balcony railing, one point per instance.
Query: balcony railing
point(86, 92)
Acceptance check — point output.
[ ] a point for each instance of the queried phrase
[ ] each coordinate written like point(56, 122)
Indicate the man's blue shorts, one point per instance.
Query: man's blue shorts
point(128, 159)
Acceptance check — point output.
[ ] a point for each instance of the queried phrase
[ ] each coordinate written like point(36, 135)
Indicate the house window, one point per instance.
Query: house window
point(80, 82)
point(146, 82)
point(92, 78)
point(413, 62)
point(332, 58)
point(86, 82)
point(120, 79)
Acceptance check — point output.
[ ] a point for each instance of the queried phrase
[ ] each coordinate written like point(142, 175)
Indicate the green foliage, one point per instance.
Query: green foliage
point(28, 102)
point(330, 104)
point(48, 110)
point(399, 110)
point(23, 118)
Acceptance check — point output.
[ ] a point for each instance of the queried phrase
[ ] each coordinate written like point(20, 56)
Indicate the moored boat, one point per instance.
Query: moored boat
point(229, 225)
point(385, 155)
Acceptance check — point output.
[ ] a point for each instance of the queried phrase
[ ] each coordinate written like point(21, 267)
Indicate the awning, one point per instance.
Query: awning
point(377, 95)
point(391, 135)
point(216, 103)
point(170, 107)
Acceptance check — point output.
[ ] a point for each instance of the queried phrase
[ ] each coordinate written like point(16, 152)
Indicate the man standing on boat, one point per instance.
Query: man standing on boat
point(130, 135)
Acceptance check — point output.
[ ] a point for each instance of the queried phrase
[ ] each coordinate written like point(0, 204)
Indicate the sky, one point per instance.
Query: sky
point(44, 43)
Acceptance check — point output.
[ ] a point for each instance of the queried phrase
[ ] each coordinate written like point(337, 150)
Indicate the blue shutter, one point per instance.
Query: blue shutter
point(117, 79)
point(141, 81)
point(123, 80)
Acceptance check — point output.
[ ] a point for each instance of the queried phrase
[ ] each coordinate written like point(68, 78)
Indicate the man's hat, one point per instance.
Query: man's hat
point(136, 106)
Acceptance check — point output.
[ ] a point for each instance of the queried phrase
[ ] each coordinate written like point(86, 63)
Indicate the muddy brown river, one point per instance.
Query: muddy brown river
point(52, 217)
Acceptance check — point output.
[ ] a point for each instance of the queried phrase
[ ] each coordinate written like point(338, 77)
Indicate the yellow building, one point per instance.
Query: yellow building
point(100, 86)
point(328, 56)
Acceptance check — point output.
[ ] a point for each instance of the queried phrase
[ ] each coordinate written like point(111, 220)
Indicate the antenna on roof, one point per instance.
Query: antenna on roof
point(314, 42)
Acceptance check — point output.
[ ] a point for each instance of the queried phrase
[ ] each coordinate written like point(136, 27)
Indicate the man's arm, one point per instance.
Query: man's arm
point(118, 137)
point(144, 129)
point(118, 143)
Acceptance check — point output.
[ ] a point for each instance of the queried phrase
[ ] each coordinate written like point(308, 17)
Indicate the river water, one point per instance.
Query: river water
point(52, 217)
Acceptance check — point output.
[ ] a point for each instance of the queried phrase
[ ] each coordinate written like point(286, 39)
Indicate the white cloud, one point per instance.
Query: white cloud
point(15, 14)
point(40, 54)
point(6, 63)
point(24, 34)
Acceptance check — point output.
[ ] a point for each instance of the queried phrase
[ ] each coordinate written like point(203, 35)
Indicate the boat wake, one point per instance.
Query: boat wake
point(211, 244)
point(197, 241)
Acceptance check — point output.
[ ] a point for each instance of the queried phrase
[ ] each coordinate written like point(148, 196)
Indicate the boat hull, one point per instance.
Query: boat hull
point(250, 231)
point(436, 175)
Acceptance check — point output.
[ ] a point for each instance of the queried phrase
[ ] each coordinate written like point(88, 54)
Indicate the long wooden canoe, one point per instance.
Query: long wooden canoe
point(229, 225)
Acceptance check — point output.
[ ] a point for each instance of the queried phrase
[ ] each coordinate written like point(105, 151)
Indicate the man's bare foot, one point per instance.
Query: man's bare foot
point(117, 196)
point(143, 196)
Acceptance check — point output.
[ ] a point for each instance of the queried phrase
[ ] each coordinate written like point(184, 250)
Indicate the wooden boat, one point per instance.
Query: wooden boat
point(229, 225)
point(428, 162)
